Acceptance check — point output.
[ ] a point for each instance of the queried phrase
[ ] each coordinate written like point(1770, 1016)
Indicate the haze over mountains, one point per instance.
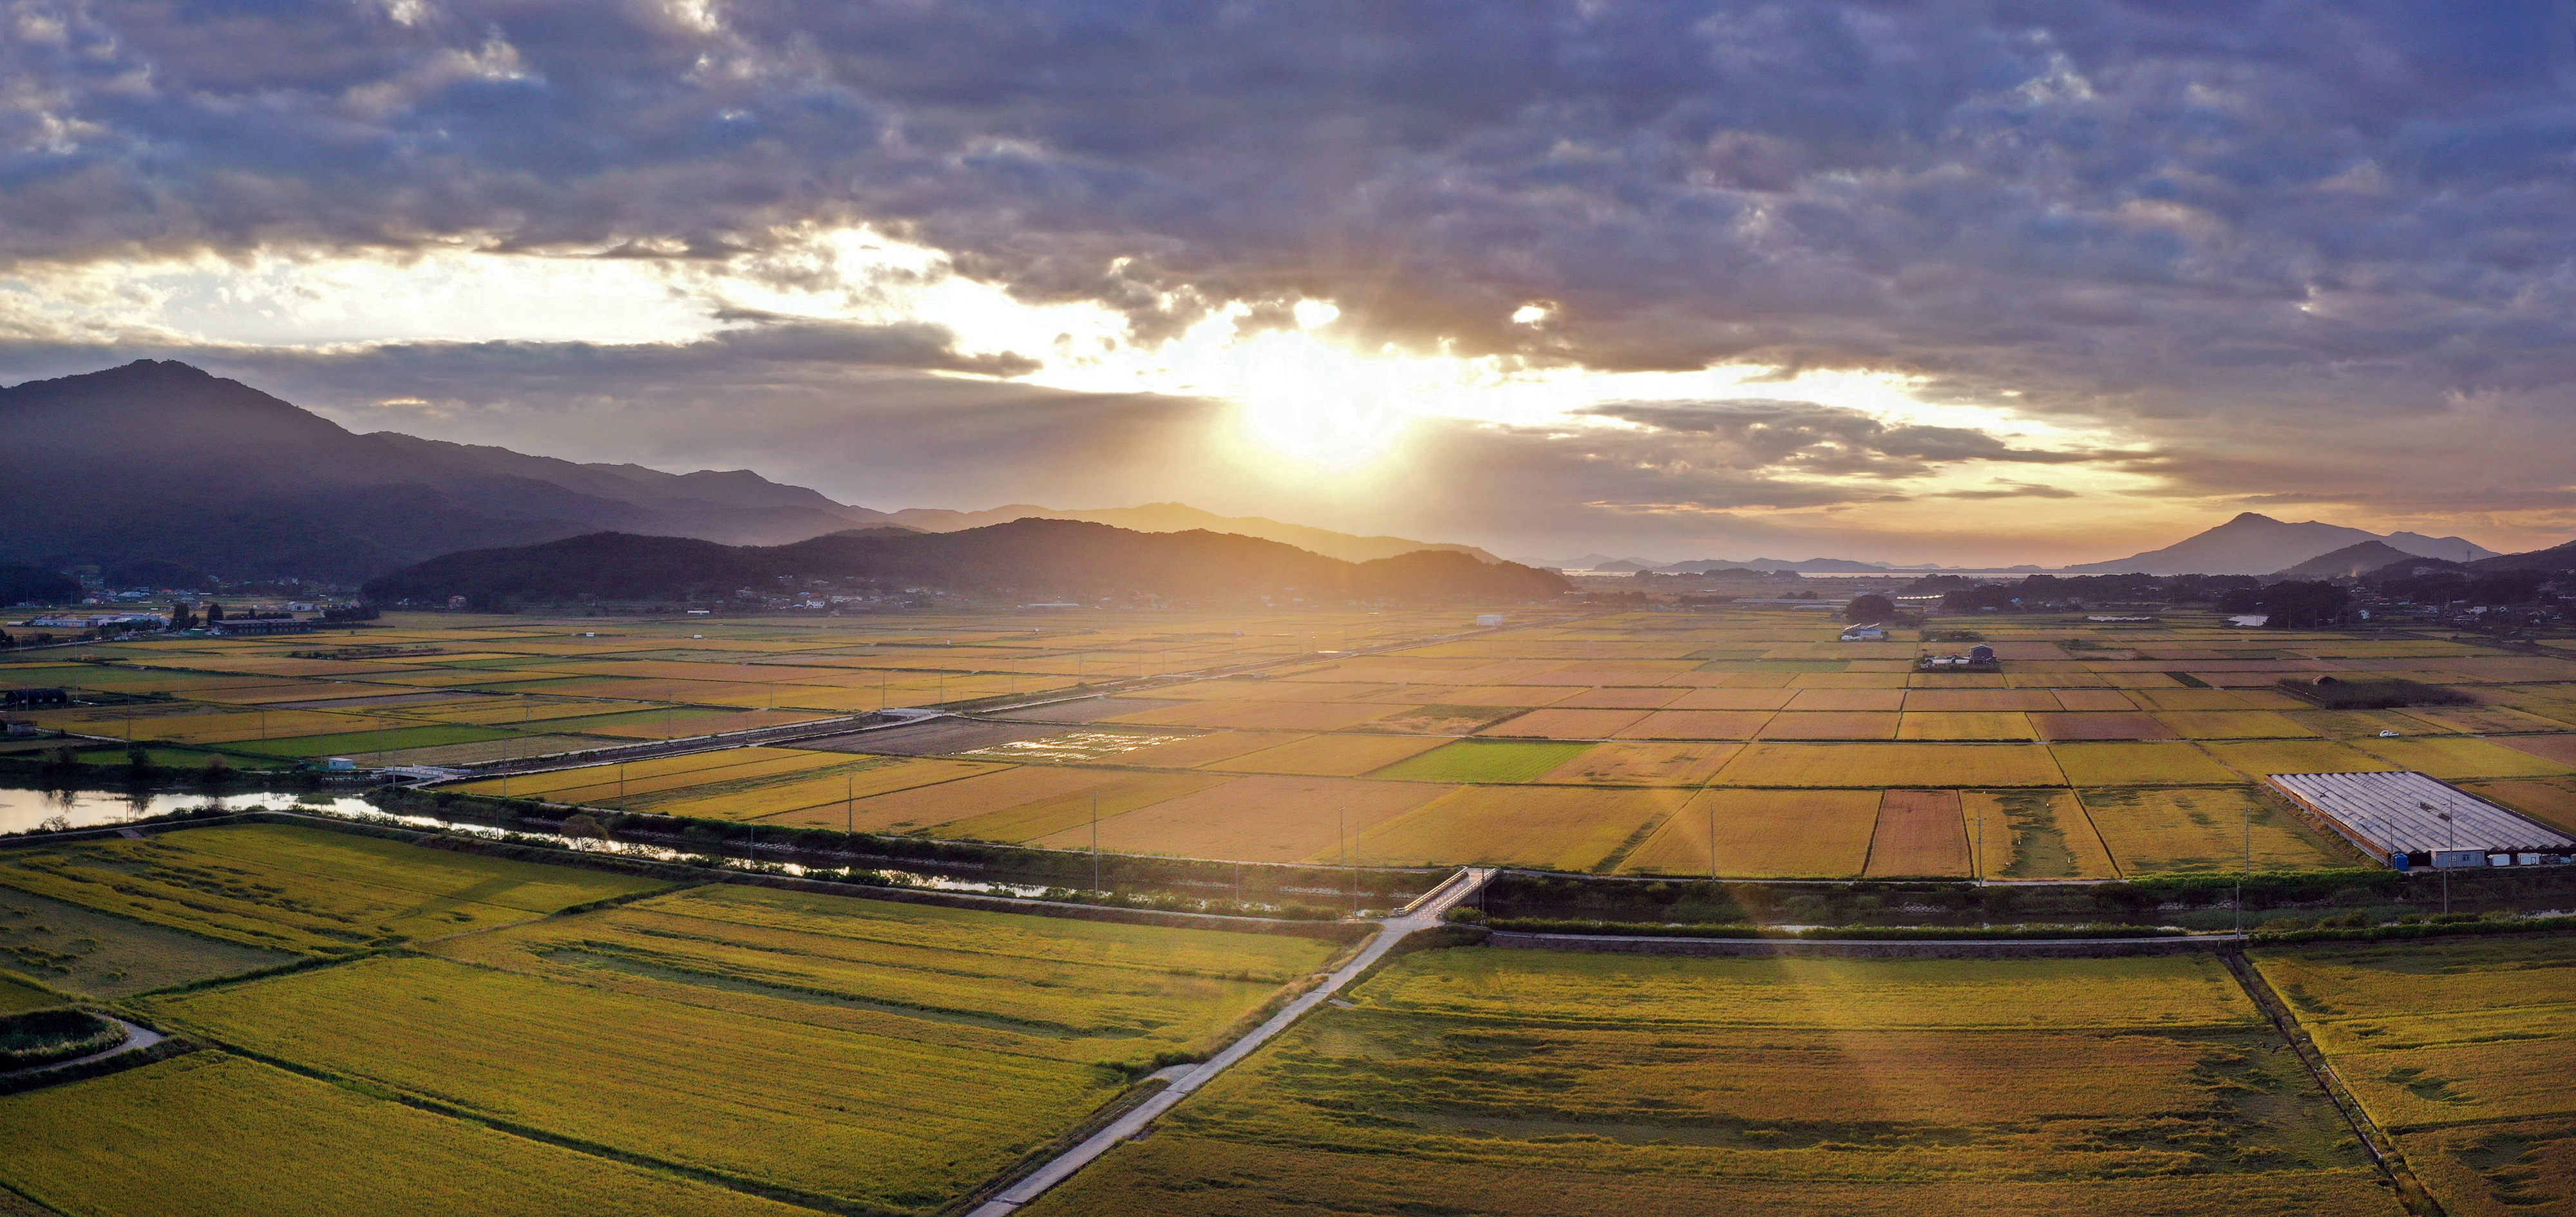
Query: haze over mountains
point(160, 461)
point(2253, 544)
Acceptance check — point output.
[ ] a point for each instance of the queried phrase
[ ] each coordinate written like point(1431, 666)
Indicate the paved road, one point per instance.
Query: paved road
point(136, 1037)
point(1423, 915)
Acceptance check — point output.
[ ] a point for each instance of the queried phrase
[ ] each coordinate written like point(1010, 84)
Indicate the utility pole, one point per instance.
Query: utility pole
point(1341, 835)
point(1977, 865)
point(2452, 827)
point(2248, 869)
point(1095, 840)
point(849, 801)
point(621, 785)
point(1710, 807)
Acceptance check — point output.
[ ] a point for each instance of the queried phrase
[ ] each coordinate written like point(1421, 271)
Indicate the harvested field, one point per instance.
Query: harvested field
point(2552, 801)
point(1483, 761)
point(1964, 726)
point(2151, 831)
point(2461, 758)
point(1075, 747)
point(1106, 793)
point(1892, 764)
point(647, 776)
point(1557, 828)
point(1919, 832)
point(2142, 764)
point(2095, 700)
point(1735, 699)
point(937, 737)
point(1791, 724)
point(1643, 764)
point(808, 788)
point(220, 1136)
point(2559, 749)
point(2296, 756)
point(1567, 724)
point(1329, 755)
point(1882, 701)
point(1989, 700)
point(1764, 833)
point(1191, 751)
point(1260, 716)
point(1618, 699)
point(1489, 1079)
point(2097, 726)
point(2034, 834)
point(2234, 724)
point(83, 951)
point(1255, 819)
point(1443, 719)
point(306, 890)
point(1697, 725)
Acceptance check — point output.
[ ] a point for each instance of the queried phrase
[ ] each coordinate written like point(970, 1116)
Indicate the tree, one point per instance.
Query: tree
point(2301, 604)
point(583, 824)
point(214, 612)
point(1868, 609)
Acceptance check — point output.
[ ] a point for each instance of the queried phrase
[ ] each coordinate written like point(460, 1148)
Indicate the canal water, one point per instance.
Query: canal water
point(25, 810)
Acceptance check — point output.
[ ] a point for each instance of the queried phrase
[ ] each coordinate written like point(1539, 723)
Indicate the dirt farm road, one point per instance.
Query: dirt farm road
point(1424, 914)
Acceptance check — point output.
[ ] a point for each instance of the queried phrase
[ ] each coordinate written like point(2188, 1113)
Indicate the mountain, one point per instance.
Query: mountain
point(1028, 559)
point(2350, 561)
point(2253, 544)
point(1180, 517)
point(2554, 558)
point(1818, 565)
point(159, 462)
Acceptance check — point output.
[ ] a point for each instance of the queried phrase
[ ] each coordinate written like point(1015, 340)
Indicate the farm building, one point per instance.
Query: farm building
point(2410, 820)
point(1865, 633)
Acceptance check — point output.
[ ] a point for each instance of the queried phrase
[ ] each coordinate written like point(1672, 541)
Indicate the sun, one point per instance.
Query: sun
point(1309, 401)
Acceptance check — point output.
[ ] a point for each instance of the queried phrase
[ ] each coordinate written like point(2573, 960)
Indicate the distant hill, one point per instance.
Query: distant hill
point(159, 462)
point(1180, 517)
point(2253, 544)
point(2350, 562)
point(1029, 559)
point(2554, 558)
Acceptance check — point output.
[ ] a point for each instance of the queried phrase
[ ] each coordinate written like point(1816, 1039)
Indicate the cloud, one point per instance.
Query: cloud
point(2303, 247)
point(1761, 432)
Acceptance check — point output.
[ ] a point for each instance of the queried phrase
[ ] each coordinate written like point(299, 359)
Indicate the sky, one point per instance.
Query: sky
point(1970, 283)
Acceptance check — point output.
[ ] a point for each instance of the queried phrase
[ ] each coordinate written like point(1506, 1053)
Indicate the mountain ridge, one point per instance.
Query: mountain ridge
point(1032, 558)
point(2256, 544)
point(163, 462)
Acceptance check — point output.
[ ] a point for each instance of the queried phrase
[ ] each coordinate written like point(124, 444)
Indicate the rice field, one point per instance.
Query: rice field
point(1489, 1081)
point(1535, 826)
point(2461, 1049)
point(1764, 833)
point(1485, 761)
point(222, 1136)
point(841, 1052)
point(1255, 819)
point(1884, 765)
point(1601, 708)
point(301, 890)
point(2221, 829)
point(83, 951)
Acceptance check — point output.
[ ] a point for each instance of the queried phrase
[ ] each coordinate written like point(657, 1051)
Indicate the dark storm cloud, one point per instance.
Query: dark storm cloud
point(2341, 214)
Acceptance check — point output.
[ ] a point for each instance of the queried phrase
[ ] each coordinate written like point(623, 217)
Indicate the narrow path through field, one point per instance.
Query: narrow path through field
point(136, 1037)
point(1422, 915)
